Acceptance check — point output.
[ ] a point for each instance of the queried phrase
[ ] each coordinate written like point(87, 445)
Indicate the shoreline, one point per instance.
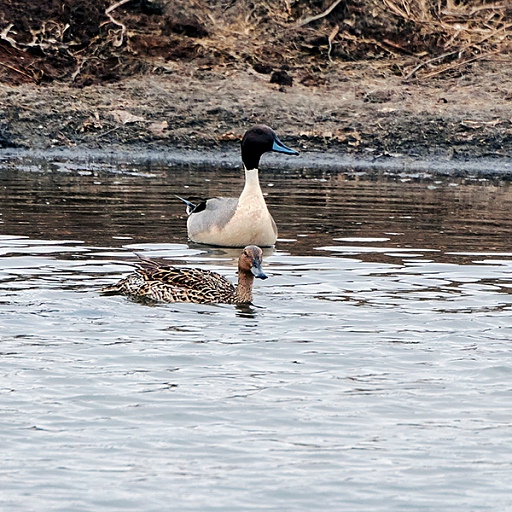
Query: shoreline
point(316, 161)
point(191, 117)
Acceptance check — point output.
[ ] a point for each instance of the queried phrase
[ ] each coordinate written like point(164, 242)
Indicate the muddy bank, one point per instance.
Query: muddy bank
point(354, 113)
point(364, 79)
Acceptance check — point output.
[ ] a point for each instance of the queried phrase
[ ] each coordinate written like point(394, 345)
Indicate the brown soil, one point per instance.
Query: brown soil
point(158, 74)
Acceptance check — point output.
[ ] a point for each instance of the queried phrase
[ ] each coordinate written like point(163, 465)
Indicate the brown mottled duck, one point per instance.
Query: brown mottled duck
point(157, 282)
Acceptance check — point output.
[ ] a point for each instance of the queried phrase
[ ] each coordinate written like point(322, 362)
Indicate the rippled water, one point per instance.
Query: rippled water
point(372, 373)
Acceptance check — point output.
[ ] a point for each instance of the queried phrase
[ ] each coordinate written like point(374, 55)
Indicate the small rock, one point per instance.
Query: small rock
point(380, 96)
point(6, 142)
point(158, 128)
point(264, 69)
point(281, 77)
point(124, 117)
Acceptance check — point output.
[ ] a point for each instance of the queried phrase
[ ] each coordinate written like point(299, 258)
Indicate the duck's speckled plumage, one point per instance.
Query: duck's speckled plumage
point(166, 283)
point(237, 222)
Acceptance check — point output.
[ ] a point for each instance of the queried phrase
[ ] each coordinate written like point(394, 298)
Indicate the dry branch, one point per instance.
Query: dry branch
point(330, 39)
point(310, 19)
point(459, 64)
point(115, 6)
point(119, 41)
point(4, 35)
point(472, 46)
point(427, 62)
point(12, 68)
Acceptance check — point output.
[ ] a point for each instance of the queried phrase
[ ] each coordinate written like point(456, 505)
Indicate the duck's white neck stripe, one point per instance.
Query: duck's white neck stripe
point(252, 182)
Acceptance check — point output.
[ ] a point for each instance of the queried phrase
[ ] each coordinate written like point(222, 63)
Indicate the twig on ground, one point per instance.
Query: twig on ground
point(330, 39)
point(117, 43)
point(108, 132)
point(4, 36)
point(78, 70)
point(460, 64)
point(328, 11)
point(427, 62)
point(115, 6)
point(17, 70)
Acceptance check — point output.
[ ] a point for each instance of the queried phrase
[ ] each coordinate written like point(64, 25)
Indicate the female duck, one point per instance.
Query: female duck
point(232, 222)
point(172, 284)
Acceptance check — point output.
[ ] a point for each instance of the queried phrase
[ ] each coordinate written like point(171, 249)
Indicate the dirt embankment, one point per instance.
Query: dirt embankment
point(361, 77)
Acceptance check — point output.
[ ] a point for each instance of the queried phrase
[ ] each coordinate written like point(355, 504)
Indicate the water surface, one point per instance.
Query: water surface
point(373, 371)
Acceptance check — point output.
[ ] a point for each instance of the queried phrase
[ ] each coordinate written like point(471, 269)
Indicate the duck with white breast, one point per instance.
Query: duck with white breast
point(242, 221)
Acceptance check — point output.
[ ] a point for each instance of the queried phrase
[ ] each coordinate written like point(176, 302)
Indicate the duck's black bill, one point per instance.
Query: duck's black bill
point(279, 147)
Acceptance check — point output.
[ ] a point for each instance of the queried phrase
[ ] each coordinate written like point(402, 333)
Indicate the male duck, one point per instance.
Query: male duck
point(173, 284)
point(232, 222)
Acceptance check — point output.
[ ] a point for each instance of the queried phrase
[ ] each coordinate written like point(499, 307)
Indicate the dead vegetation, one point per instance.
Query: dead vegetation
point(96, 41)
point(414, 38)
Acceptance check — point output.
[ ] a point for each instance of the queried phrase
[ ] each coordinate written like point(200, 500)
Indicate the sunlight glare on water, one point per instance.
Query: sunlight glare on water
point(372, 372)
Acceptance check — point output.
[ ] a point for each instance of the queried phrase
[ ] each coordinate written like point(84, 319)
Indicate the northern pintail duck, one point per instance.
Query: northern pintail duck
point(166, 283)
point(237, 222)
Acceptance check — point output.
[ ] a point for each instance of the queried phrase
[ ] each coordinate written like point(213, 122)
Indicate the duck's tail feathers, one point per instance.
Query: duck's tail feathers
point(143, 263)
point(114, 289)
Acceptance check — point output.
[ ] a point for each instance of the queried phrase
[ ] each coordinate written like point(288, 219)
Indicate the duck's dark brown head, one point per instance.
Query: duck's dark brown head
point(258, 140)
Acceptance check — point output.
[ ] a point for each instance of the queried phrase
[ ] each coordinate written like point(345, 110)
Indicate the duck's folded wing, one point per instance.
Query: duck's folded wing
point(187, 277)
point(195, 284)
point(211, 215)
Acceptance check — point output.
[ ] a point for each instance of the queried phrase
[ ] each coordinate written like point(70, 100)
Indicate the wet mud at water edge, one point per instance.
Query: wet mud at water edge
point(375, 356)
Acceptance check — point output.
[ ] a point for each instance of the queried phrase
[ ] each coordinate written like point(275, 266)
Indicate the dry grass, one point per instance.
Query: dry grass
point(466, 31)
point(419, 39)
point(422, 38)
point(416, 39)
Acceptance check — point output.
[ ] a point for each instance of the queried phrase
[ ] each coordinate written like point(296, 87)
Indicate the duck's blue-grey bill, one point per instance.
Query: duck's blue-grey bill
point(257, 271)
point(281, 148)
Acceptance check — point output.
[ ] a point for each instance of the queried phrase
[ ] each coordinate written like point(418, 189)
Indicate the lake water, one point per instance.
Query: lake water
point(372, 373)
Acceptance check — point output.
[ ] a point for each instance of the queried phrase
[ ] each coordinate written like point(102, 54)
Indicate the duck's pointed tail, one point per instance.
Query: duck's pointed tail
point(122, 286)
point(114, 289)
point(190, 206)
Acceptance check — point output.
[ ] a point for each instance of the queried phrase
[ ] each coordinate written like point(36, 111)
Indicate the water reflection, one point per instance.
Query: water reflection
point(246, 310)
point(311, 208)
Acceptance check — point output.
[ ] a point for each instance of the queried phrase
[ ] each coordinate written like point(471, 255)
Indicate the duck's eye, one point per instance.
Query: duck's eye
point(246, 253)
